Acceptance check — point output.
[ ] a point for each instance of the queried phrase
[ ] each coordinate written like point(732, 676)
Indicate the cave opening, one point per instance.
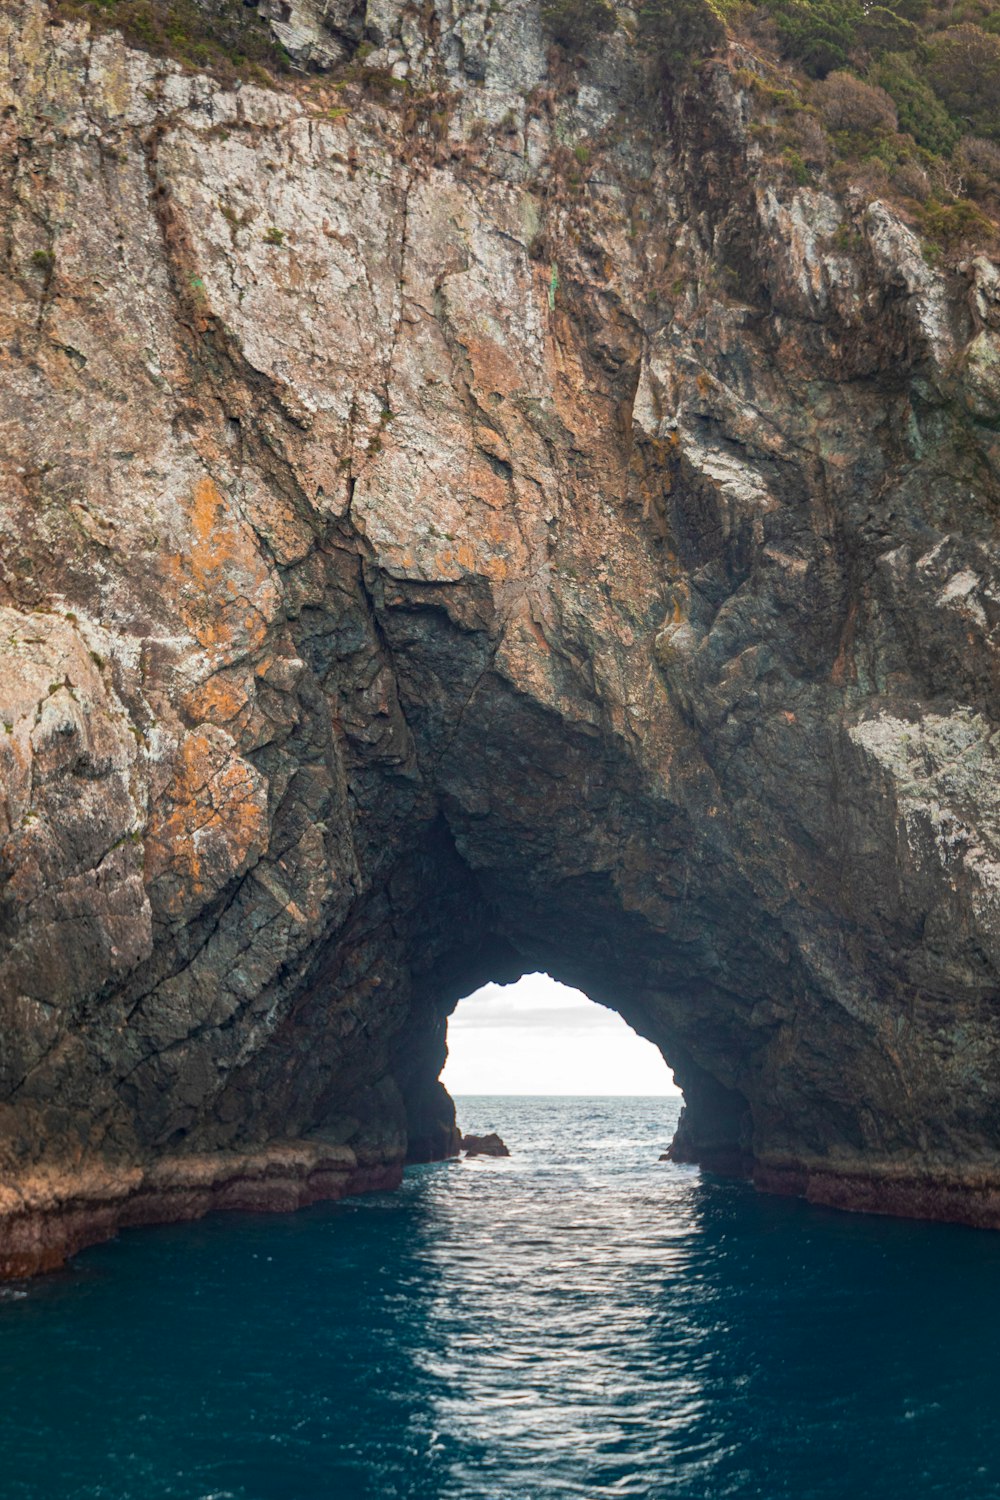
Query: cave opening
point(497, 956)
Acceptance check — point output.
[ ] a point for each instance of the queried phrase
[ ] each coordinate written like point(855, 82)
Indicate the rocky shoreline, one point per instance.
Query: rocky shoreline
point(51, 1217)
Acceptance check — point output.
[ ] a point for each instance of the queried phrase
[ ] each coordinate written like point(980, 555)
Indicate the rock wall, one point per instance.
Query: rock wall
point(473, 519)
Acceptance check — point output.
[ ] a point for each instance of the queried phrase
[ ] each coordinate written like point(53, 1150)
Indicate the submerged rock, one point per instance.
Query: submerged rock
point(484, 1145)
point(466, 526)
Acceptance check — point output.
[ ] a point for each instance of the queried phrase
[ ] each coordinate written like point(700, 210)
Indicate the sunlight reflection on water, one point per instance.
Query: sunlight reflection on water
point(579, 1320)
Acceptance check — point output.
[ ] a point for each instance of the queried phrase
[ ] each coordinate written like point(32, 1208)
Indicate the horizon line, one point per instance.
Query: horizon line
point(482, 1094)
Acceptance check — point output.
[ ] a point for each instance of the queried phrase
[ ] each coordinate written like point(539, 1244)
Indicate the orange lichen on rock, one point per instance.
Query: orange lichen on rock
point(226, 593)
point(223, 698)
point(209, 826)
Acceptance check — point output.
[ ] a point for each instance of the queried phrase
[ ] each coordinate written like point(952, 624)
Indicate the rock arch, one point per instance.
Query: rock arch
point(417, 570)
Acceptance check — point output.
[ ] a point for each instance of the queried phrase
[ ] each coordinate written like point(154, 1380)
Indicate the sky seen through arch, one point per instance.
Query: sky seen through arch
point(541, 1037)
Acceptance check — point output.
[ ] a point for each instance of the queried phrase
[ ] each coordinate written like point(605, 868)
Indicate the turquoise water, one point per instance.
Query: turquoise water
point(577, 1321)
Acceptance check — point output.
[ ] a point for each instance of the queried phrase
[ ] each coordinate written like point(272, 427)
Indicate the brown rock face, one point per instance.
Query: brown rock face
point(429, 552)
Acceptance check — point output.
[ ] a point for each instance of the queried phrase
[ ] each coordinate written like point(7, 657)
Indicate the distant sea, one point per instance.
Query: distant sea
point(580, 1320)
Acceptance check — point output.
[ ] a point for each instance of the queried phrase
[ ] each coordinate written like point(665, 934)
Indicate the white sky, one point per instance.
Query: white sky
point(539, 1037)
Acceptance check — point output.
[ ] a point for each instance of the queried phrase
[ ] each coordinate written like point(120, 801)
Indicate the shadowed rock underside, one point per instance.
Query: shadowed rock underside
point(462, 528)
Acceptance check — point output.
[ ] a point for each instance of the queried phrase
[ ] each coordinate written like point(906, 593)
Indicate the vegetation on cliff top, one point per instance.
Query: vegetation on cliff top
point(901, 98)
point(224, 37)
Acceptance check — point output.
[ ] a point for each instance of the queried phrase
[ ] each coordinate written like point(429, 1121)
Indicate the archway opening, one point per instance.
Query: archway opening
point(538, 1036)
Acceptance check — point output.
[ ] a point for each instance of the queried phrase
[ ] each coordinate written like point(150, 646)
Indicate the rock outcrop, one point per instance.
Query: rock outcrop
point(484, 1145)
point(478, 519)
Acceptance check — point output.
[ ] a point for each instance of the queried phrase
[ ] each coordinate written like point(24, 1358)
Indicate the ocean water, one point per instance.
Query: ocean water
point(580, 1320)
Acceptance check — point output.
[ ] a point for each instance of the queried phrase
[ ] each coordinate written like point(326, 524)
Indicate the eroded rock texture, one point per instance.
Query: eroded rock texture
point(431, 551)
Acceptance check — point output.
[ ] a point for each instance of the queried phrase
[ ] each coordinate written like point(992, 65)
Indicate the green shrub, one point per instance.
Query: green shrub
point(679, 33)
point(920, 111)
point(952, 224)
point(964, 68)
point(824, 35)
point(979, 162)
point(884, 30)
point(982, 13)
point(819, 34)
point(577, 23)
point(796, 166)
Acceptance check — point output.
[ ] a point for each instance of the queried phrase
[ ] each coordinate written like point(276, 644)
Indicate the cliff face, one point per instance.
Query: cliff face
point(466, 527)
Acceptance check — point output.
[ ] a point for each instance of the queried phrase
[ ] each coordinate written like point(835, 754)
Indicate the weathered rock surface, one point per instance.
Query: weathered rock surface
point(484, 1145)
point(430, 551)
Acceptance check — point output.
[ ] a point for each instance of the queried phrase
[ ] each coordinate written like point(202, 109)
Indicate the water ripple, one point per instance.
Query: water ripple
point(576, 1321)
